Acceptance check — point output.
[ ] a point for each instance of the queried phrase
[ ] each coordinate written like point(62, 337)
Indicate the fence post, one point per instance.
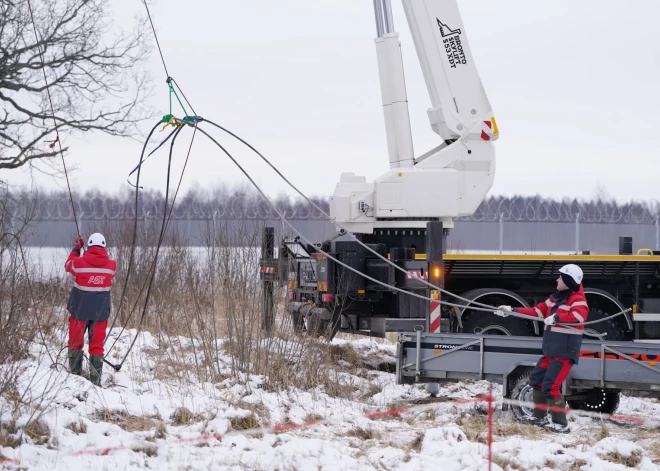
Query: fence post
point(501, 232)
point(577, 234)
point(267, 274)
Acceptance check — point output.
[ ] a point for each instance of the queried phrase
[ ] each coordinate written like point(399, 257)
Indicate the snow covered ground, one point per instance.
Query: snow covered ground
point(155, 420)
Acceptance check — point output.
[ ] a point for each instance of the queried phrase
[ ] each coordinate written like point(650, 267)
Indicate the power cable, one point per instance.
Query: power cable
point(52, 111)
point(134, 241)
point(485, 308)
point(165, 224)
point(471, 303)
point(153, 28)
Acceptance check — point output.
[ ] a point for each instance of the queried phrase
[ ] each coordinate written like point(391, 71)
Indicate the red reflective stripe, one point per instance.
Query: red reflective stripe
point(555, 389)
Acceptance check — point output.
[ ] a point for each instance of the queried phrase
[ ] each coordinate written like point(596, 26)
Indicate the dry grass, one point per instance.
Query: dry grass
point(631, 461)
point(603, 432)
point(654, 451)
point(416, 444)
point(505, 462)
point(150, 451)
point(363, 433)
point(77, 427)
point(183, 416)
point(128, 422)
point(576, 465)
point(159, 434)
point(38, 431)
point(475, 428)
point(312, 418)
point(9, 435)
point(244, 423)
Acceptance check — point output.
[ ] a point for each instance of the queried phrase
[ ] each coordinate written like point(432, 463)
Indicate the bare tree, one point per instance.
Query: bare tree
point(92, 68)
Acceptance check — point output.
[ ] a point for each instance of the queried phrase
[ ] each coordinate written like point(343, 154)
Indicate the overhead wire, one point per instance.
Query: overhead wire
point(153, 28)
point(485, 308)
point(471, 304)
point(134, 241)
point(167, 215)
point(52, 110)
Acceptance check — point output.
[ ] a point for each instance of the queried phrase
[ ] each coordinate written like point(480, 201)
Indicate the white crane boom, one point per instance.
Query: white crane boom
point(450, 180)
point(458, 99)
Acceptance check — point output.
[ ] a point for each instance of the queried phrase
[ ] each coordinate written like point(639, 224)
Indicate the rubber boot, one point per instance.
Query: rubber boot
point(559, 421)
point(95, 369)
point(75, 362)
point(540, 412)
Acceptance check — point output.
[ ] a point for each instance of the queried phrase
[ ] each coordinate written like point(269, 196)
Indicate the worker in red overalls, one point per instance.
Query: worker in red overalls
point(561, 345)
point(89, 303)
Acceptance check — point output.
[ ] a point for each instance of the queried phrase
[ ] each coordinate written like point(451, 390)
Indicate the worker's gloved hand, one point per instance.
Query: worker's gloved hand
point(79, 243)
point(551, 320)
point(502, 311)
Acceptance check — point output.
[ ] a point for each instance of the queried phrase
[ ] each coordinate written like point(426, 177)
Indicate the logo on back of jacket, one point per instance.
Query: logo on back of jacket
point(452, 42)
point(96, 280)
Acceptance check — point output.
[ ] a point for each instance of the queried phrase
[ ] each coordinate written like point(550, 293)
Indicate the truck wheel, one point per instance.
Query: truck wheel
point(522, 391)
point(600, 400)
point(609, 327)
point(490, 324)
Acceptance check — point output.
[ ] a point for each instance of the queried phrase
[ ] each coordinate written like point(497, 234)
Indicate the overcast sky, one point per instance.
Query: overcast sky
point(573, 84)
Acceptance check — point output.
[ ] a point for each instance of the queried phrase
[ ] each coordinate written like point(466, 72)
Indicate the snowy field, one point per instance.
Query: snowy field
point(149, 420)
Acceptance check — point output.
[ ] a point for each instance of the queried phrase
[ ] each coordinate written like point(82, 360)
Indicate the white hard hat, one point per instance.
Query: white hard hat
point(573, 271)
point(96, 239)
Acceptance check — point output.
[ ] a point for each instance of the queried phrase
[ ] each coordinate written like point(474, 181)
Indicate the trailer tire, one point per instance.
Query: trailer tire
point(490, 324)
point(605, 401)
point(610, 327)
point(521, 390)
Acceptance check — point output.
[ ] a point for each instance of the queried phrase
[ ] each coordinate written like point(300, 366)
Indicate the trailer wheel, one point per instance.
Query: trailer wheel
point(600, 400)
point(490, 324)
point(609, 327)
point(522, 391)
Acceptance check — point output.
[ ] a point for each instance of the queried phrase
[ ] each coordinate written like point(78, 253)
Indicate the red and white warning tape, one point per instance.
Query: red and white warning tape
point(344, 419)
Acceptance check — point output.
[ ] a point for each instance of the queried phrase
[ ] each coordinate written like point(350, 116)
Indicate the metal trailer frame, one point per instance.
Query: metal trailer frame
point(632, 368)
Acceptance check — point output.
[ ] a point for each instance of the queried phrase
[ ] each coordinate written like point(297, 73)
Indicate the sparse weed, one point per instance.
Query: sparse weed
point(128, 422)
point(244, 423)
point(632, 461)
point(38, 431)
point(363, 433)
point(576, 465)
point(77, 427)
point(183, 416)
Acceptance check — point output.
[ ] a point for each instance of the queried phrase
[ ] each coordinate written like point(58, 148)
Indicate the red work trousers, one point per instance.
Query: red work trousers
point(95, 332)
point(548, 375)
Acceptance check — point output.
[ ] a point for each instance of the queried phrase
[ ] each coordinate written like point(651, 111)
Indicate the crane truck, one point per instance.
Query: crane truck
point(405, 215)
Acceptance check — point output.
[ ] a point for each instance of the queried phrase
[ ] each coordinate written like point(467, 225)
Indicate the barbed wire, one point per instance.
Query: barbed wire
point(57, 207)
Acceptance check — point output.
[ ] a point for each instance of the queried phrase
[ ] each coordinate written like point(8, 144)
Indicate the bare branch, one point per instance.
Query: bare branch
point(93, 69)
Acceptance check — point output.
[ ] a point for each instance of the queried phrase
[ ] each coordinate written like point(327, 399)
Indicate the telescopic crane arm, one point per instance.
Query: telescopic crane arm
point(450, 180)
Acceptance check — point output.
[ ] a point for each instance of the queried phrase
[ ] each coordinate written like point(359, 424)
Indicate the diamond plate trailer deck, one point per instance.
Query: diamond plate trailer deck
point(604, 367)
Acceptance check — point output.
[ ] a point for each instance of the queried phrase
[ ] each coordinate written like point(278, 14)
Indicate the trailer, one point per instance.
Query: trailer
point(605, 369)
